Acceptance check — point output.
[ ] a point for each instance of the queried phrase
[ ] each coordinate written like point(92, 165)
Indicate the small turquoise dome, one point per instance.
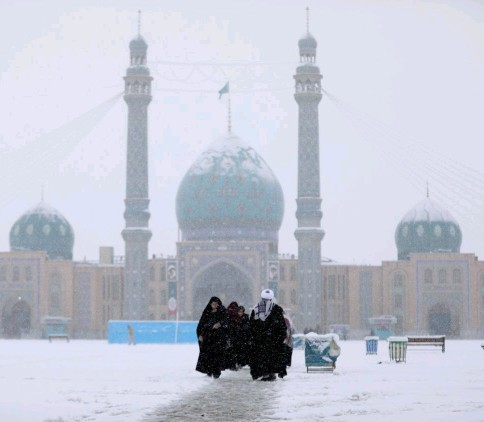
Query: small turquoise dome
point(427, 227)
point(308, 41)
point(138, 43)
point(230, 193)
point(43, 229)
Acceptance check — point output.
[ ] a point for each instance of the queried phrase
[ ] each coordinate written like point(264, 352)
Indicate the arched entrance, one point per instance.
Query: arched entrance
point(224, 281)
point(16, 319)
point(440, 320)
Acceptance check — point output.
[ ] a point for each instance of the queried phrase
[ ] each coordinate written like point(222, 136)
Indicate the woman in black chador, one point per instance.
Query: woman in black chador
point(239, 337)
point(268, 330)
point(244, 338)
point(212, 338)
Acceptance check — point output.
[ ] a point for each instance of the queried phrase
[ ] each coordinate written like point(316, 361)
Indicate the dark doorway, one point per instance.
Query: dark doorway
point(224, 281)
point(440, 320)
point(16, 319)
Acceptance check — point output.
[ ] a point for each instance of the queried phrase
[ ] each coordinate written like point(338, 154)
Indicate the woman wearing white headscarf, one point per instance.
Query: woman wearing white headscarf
point(268, 330)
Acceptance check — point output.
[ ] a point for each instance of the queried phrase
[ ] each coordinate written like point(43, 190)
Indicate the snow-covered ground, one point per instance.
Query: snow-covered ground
point(96, 381)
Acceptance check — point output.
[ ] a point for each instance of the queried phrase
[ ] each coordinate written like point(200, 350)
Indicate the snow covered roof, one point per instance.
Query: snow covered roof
point(427, 227)
point(428, 210)
point(229, 193)
point(43, 228)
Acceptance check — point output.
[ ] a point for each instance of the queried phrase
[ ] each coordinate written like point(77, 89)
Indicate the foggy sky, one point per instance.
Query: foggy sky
point(404, 108)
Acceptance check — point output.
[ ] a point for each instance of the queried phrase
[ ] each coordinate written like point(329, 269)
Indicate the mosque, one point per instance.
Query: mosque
point(230, 208)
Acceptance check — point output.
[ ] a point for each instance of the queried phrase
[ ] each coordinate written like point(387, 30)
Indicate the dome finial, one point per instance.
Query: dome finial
point(307, 19)
point(139, 23)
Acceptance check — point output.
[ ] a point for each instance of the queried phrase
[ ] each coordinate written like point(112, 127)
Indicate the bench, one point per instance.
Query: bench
point(58, 336)
point(438, 341)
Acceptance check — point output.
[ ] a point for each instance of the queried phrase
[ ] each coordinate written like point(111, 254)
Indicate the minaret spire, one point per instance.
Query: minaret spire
point(309, 233)
point(428, 195)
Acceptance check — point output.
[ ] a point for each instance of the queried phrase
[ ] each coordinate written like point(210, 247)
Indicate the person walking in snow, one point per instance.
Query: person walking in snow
point(212, 338)
point(232, 318)
point(131, 339)
point(244, 339)
point(288, 345)
point(268, 330)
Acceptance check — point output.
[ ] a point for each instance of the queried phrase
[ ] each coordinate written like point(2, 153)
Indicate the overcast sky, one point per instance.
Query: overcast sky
point(404, 106)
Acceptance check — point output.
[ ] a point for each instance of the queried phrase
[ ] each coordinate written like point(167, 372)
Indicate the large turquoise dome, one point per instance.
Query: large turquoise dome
point(427, 227)
point(43, 228)
point(230, 193)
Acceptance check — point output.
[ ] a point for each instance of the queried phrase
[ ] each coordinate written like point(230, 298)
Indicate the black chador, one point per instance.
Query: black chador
point(212, 338)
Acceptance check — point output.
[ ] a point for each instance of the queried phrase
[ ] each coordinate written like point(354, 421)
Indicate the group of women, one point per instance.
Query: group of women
point(230, 338)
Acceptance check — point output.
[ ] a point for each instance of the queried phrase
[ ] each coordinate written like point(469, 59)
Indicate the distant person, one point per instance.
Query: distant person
point(212, 338)
point(131, 336)
point(268, 331)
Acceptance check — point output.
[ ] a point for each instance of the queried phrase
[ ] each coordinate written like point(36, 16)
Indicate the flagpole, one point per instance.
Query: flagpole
point(226, 90)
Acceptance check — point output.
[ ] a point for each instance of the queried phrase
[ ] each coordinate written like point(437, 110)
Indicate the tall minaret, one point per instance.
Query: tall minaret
point(136, 235)
point(308, 233)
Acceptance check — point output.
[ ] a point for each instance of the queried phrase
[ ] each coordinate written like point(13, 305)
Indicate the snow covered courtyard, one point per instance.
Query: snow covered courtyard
point(95, 381)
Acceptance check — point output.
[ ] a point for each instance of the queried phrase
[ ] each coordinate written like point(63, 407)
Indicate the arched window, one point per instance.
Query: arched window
point(293, 272)
point(456, 276)
point(16, 274)
point(428, 276)
point(293, 297)
point(28, 273)
point(282, 297)
point(398, 280)
point(163, 297)
point(282, 273)
point(116, 288)
point(442, 276)
point(55, 295)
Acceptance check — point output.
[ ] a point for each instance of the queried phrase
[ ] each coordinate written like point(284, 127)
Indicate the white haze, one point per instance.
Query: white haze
point(403, 107)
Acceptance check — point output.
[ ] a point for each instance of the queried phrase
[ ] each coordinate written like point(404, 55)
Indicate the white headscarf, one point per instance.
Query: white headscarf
point(263, 309)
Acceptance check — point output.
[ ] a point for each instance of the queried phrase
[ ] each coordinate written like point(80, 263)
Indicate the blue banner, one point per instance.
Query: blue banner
point(153, 331)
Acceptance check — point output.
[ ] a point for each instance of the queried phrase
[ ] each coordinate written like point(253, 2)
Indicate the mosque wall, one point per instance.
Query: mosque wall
point(420, 291)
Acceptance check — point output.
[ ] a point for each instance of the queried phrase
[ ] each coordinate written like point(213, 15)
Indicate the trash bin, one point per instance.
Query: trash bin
point(397, 346)
point(371, 345)
point(321, 351)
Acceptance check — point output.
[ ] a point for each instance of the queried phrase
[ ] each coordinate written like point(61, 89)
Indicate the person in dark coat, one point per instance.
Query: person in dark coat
point(288, 345)
point(244, 339)
point(232, 317)
point(212, 338)
point(268, 330)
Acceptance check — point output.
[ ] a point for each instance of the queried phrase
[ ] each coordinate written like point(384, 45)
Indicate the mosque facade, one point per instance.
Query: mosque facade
point(229, 208)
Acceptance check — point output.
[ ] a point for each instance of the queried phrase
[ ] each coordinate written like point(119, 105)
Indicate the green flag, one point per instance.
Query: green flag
point(224, 90)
